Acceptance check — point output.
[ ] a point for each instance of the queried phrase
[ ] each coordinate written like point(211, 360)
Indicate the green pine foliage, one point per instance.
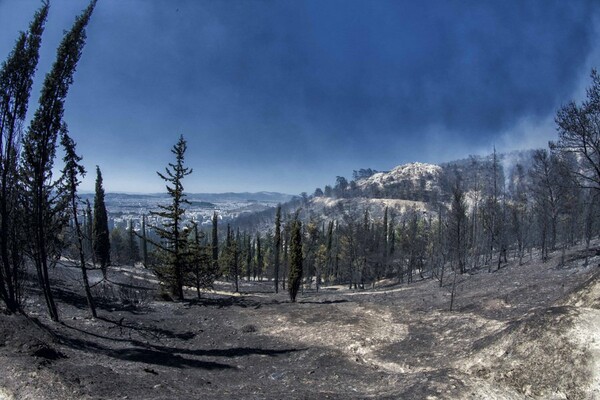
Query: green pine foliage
point(173, 250)
point(101, 241)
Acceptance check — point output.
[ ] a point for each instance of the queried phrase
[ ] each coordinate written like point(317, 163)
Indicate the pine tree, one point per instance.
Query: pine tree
point(101, 240)
point(458, 225)
point(173, 247)
point(295, 274)
point(44, 208)
point(230, 257)
point(277, 246)
point(215, 241)
point(329, 252)
point(518, 209)
point(16, 79)
point(548, 193)
point(492, 211)
point(202, 268)
point(71, 172)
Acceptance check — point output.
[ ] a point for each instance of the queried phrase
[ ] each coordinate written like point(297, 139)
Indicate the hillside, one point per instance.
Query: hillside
point(408, 181)
point(526, 331)
point(430, 182)
point(413, 186)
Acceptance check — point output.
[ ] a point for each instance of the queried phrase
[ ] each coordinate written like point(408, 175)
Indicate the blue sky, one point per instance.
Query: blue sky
point(285, 95)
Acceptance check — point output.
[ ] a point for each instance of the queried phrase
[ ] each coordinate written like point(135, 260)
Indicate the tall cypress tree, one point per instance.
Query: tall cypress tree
point(46, 210)
point(174, 240)
point(16, 79)
point(295, 275)
point(100, 226)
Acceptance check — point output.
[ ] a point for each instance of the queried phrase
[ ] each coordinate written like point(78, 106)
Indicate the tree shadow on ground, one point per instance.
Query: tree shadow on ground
point(163, 355)
point(222, 302)
point(79, 301)
point(324, 301)
point(154, 331)
point(129, 285)
point(251, 292)
point(239, 352)
point(244, 302)
point(166, 356)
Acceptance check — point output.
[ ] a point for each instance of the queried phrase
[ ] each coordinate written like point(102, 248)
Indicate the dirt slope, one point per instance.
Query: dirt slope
point(551, 353)
point(529, 331)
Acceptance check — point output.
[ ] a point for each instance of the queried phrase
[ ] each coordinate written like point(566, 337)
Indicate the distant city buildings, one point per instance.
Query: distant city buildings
point(123, 208)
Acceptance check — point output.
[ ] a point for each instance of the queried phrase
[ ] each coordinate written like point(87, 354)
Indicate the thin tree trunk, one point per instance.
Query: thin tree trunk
point(453, 292)
point(86, 283)
point(42, 260)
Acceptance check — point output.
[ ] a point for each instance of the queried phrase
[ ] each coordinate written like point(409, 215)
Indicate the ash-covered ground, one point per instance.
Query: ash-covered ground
point(525, 331)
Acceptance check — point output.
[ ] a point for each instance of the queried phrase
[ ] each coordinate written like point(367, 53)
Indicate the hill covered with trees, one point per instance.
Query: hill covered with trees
point(421, 218)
